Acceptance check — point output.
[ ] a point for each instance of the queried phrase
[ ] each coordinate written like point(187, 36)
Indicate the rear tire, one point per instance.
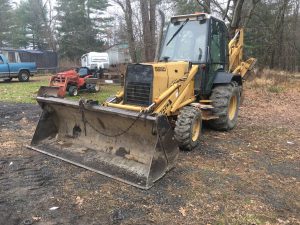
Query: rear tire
point(226, 102)
point(93, 87)
point(97, 88)
point(188, 128)
point(24, 76)
point(73, 91)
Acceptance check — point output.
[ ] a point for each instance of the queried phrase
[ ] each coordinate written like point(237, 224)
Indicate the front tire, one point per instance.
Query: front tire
point(188, 128)
point(226, 102)
point(24, 76)
point(73, 91)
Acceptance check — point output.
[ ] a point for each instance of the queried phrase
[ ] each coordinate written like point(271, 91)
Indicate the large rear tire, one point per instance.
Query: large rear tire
point(93, 87)
point(226, 102)
point(188, 128)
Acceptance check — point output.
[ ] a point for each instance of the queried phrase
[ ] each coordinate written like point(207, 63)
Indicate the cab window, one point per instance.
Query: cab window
point(188, 45)
point(218, 42)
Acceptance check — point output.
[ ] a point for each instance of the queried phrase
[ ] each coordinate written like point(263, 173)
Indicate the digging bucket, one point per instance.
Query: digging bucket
point(51, 91)
point(120, 144)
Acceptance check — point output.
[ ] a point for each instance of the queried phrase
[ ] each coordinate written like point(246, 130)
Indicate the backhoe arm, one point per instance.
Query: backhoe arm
point(236, 63)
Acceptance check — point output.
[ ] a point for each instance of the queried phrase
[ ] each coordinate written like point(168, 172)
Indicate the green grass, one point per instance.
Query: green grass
point(101, 96)
point(25, 92)
point(275, 89)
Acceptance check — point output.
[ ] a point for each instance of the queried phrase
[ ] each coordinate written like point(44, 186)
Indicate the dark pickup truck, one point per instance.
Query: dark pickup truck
point(22, 71)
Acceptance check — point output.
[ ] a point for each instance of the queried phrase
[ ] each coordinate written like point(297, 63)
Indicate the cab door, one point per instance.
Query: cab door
point(217, 53)
point(4, 69)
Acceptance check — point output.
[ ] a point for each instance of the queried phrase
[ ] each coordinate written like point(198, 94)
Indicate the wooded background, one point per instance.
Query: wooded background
point(74, 27)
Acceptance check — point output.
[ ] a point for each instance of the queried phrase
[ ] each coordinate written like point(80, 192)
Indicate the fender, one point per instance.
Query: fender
point(222, 77)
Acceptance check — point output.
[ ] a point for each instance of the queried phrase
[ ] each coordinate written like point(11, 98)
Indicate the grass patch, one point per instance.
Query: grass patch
point(25, 92)
point(22, 92)
point(101, 96)
point(275, 89)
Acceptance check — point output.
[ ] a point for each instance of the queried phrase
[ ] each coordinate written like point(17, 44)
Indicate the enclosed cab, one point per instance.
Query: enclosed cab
point(199, 39)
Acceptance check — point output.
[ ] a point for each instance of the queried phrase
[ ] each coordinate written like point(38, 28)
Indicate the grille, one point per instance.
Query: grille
point(138, 84)
point(138, 93)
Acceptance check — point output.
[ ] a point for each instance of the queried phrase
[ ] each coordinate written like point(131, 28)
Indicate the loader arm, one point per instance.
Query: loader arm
point(236, 47)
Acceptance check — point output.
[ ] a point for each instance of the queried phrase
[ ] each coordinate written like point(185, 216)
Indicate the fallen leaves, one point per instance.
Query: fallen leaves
point(182, 211)
point(36, 218)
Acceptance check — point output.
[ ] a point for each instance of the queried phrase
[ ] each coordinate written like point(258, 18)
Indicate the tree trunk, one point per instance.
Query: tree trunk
point(152, 30)
point(237, 12)
point(130, 35)
point(148, 23)
point(127, 10)
point(278, 31)
point(160, 36)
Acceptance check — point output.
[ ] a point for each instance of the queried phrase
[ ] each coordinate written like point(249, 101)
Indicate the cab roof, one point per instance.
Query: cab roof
point(195, 16)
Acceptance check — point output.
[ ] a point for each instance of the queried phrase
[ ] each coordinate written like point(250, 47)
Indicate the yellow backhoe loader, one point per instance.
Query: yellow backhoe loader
point(135, 136)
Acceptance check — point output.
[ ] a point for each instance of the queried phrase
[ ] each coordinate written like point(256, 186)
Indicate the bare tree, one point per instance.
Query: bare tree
point(148, 8)
point(127, 10)
point(237, 12)
point(205, 4)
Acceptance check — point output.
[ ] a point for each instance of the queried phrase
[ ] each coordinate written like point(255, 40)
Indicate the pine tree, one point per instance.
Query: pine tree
point(30, 25)
point(5, 19)
point(79, 26)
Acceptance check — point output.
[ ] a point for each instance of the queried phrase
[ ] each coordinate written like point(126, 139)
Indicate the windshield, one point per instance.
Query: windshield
point(83, 72)
point(188, 45)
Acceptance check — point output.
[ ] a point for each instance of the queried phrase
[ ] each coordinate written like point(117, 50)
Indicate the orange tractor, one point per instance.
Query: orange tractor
point(72, 81)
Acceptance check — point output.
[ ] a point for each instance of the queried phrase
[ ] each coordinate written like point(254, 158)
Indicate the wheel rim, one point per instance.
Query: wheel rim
point(196, 129)
point(24, 76)
point(97, 88)
point(75, 92)
point(232, 107)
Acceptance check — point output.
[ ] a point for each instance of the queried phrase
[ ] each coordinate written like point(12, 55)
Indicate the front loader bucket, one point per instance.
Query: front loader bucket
point(51, 91)
point(120, 144)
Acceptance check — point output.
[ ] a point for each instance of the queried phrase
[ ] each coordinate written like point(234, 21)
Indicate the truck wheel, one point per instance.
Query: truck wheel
point(73, 91)
point(24, 76)
point(188, 128)
point(226, 101)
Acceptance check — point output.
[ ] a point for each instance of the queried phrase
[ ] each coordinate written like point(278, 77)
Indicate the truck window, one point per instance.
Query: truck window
point(12, 57)
point(1, 60)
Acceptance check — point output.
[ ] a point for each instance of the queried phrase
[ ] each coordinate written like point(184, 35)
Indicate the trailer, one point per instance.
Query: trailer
point(95, 60)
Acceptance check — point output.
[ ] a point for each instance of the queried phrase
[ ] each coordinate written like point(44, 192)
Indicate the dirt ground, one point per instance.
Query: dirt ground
point(250, 175)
